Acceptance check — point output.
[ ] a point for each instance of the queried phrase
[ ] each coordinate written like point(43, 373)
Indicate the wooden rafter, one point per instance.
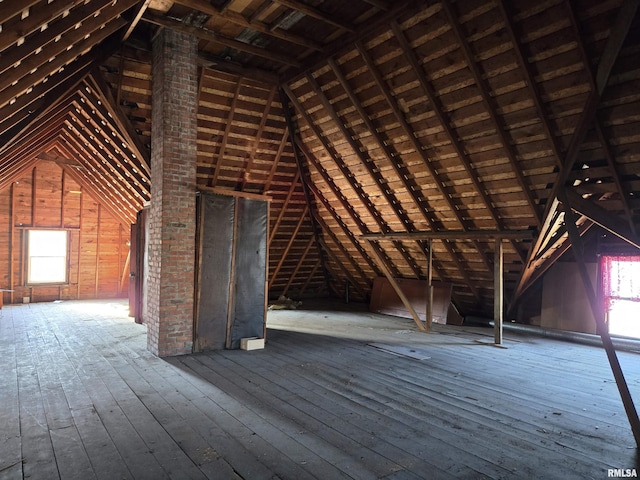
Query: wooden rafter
point(96, 180)
point(589, 114)
point(10, 92)
point(345, 271)
point(89, 129)
point(372, 169)
point(304, 180)
point(100, 120)
point(532, 85)
point(328, 232)
point(301, 261)
point(627, 13)
point(142, 7)
point(445, 123)
point(601, 216)
point(276, 160)
point(11, 8)
point(341, 199)
point(292, 237)
point(76, 143)
point(213, 180)
point(124, 125)
point(348, 175)
point(26, 53)
point(256, 141)
point(611, 162)
point(47, 94)
point(283, 209)
point(382, 86)
point(373, 24)
point(18, 28)
point(500, 127)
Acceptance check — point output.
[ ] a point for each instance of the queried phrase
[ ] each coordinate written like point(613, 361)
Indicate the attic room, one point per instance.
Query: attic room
point(437, 200)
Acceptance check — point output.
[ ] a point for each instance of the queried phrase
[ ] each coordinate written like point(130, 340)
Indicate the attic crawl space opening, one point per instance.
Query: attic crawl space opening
point(620, 277)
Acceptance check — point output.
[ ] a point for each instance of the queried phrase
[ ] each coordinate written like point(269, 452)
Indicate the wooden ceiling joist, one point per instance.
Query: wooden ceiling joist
point(238, 19)
point(211, 36)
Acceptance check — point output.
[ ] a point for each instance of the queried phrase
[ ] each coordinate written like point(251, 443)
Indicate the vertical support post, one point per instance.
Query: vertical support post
point(11, 239)
point(97, 276)
point(570, 219)
point(430, 286)
point(498, 291)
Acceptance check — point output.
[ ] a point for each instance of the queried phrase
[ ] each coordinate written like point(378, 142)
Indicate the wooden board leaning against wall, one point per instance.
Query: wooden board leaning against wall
point(46, 197)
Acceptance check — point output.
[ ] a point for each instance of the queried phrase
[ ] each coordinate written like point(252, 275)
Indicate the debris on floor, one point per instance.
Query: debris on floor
point(284, 303)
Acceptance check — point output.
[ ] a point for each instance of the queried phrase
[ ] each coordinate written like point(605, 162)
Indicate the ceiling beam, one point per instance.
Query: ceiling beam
point(211, 36)
point(453, 235)
point(238, 19)
point(315, 13)
point(372, 25)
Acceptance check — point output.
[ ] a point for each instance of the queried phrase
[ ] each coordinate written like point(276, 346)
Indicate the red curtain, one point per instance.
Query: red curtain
point(620, 276)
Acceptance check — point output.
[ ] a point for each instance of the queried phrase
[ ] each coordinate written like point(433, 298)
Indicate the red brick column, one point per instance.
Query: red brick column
point(173, 194)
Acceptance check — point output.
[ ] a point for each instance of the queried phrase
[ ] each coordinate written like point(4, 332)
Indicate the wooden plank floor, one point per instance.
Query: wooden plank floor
point(81, 398)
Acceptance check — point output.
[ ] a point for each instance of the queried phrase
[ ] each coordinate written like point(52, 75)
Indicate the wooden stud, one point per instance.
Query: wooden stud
point(97, 277)
point(430, 286)
point(12, 196)
point(498, 291)
point(232, 277)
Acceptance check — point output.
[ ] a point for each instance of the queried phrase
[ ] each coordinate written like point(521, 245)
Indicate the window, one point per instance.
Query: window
point(47, 256)
point(621, 294)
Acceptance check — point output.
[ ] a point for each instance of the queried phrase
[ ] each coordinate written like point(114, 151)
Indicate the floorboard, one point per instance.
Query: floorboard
point(82, 398)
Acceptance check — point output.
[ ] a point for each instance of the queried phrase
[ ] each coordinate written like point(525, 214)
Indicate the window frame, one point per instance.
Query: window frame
point(28, 257)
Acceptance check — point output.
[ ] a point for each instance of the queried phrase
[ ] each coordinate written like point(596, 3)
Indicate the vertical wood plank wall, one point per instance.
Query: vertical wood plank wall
point(47, 197)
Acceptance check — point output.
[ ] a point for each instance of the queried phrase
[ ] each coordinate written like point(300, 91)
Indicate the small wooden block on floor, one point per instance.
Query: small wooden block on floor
point(252, 343)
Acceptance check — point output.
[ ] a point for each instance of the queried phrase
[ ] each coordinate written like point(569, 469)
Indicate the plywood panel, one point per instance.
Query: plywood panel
point(385, 300)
